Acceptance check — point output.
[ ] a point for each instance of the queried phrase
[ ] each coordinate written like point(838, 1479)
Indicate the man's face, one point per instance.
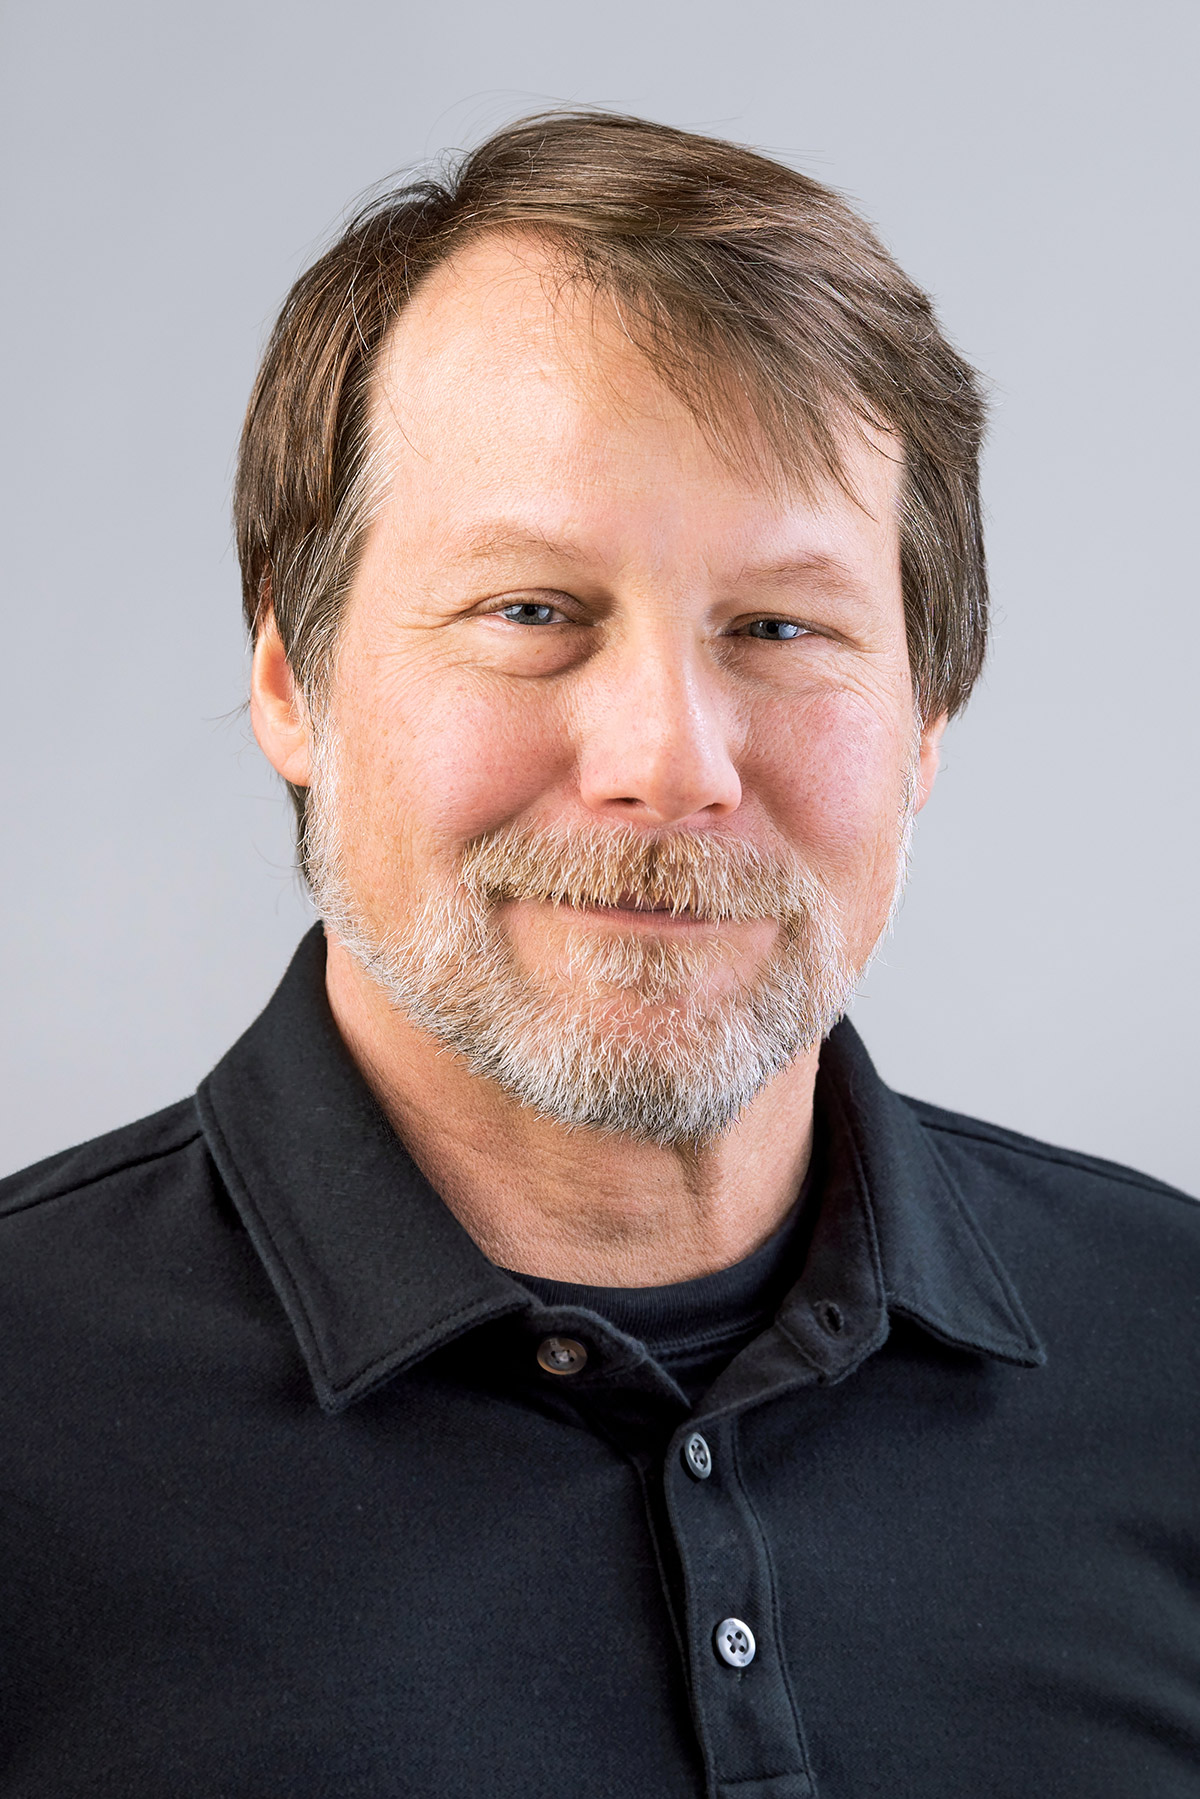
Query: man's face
point(618, 756)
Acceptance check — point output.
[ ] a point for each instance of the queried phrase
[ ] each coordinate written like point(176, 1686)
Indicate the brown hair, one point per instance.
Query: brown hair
point(741, 280)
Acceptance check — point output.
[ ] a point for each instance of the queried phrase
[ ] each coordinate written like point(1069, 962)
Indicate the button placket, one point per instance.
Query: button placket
point(744, 1710)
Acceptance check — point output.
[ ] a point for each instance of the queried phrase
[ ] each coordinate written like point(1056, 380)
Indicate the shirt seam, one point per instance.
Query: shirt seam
point(1065, 1159)
point(754, 1780)
point(356, 1386)
point(776, 1621)
point(105, 1174)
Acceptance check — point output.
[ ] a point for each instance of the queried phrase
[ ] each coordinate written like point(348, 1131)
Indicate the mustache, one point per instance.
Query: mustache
point(708, 876)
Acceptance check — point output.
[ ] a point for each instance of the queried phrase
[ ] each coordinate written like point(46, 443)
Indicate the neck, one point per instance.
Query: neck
point(573, 1205)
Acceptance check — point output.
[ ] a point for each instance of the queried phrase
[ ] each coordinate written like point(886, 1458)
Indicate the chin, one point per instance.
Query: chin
point(640, 980)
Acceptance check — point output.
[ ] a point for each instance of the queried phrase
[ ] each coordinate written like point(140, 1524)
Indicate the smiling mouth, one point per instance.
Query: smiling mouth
point(630, 902)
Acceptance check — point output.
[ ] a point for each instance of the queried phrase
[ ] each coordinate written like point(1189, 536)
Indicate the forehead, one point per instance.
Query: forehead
point(507, 385)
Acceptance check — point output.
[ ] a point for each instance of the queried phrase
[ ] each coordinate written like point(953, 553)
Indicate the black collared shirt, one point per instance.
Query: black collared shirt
point(694, 1328)
point(290, 1507)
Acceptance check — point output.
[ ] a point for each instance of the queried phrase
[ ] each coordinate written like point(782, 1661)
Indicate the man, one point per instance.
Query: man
point(543, 1359)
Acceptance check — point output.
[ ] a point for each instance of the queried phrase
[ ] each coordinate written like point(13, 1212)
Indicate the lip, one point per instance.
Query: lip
point(642, 921)
point(629, 902)
point(659, 918)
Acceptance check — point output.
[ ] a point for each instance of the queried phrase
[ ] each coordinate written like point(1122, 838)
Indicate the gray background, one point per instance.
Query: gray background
point(168, 169)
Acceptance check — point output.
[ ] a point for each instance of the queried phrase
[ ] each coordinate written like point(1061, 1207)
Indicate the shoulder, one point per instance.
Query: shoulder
point(973, 1138)
point(1067, 1222)
point(125, 1240)
point(153, 1147)
point(124, 1269)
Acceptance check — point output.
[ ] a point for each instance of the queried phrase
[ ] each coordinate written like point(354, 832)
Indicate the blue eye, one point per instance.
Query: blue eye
point(774, 630)
point(526, 612)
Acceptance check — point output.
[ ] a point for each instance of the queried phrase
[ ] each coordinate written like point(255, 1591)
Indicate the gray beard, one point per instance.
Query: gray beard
point(684, 1067)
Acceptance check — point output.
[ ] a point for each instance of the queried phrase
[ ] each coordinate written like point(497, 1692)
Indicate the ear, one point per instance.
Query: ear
point(277, 709)
point(930, 758)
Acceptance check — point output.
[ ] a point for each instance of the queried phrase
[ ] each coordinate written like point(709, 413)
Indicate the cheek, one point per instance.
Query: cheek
point(444, 756)
point(831, 775)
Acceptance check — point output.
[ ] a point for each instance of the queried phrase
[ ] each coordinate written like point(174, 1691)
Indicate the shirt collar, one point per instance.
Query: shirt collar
point(374, 1271)
point(936, 1266)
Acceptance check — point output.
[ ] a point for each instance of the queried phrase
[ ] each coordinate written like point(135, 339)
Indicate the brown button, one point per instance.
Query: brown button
point(561, 1355)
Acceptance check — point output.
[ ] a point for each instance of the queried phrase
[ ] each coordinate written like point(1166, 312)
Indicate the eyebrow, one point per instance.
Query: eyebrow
point(796, 568)
point(509, 540)
point(496, 541)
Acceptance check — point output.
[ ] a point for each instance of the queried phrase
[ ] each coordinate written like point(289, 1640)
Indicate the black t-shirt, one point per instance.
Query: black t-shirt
point(694, 1328)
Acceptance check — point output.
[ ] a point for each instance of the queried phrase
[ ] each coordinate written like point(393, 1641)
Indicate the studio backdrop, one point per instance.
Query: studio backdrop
point(167, 171)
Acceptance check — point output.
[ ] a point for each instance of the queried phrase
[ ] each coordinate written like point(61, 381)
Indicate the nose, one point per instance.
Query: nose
point(656, 748)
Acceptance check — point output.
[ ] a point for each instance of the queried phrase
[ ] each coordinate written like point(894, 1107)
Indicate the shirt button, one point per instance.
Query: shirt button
point(561, 1355)
point(735, 1642)
point(697, 1457)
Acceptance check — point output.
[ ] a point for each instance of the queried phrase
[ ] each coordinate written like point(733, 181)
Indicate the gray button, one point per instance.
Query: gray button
point(697, 1456)
point(561, 1355)
point(735, 1642)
